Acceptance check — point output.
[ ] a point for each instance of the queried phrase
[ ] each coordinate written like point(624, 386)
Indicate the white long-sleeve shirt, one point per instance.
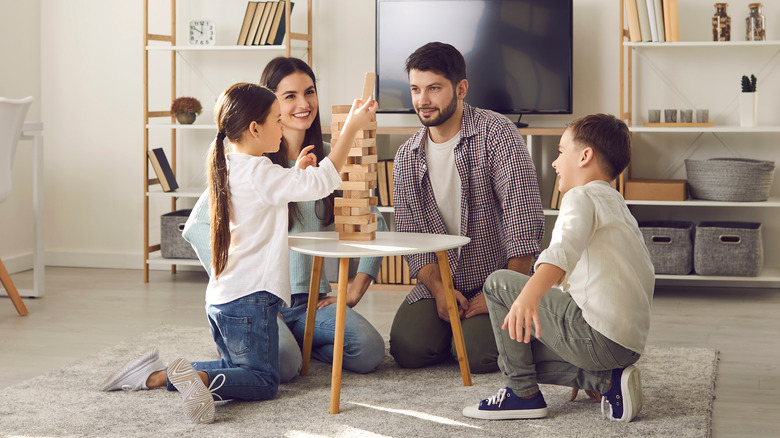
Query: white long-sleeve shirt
point(608, 272)
point(259, 193)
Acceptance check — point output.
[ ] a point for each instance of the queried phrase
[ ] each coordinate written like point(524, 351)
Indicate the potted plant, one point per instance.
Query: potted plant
point(185, 109)
point(748, 102)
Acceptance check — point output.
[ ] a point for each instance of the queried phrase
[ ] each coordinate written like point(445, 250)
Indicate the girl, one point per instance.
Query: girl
point(294, 84)
point(248, 211)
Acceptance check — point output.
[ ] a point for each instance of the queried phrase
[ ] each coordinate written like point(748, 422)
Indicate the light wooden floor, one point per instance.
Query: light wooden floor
point(86, 310)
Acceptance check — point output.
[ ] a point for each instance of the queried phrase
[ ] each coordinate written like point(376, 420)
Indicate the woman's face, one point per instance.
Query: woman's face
point(298, 101)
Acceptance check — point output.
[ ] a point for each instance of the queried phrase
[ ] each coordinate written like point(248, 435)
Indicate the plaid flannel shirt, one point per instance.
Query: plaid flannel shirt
point(501, 209)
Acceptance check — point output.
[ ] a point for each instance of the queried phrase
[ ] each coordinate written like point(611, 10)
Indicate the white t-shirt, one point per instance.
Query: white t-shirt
point(445, 181)
point(259, 192)
point(608, 271)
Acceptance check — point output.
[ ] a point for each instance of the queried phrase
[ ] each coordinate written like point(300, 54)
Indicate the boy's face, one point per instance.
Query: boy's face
point(567, 165)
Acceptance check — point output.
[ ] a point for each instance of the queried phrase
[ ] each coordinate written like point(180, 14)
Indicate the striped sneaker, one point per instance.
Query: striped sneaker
point(197, 399)
point(133, 375)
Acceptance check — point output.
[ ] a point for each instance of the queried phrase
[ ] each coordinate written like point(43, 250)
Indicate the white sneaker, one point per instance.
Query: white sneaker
point(197, 399)
point(134, 374)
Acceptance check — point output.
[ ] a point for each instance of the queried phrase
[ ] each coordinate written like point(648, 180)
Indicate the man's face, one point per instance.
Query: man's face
point(433, 96)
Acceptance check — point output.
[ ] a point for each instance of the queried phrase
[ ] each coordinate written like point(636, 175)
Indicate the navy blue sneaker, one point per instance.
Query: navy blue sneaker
point(506, 405)
point(624, 398)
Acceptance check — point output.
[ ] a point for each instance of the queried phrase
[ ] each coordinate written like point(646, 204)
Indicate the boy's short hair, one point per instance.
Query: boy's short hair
point(440, 58)
point(608, 136)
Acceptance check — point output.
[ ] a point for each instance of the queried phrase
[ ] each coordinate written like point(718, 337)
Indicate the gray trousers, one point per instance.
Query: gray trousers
point(568, 353)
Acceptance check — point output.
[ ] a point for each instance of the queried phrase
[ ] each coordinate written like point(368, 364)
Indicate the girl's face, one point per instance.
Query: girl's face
point(269, 133)
point(298, 100)
point(567, 165)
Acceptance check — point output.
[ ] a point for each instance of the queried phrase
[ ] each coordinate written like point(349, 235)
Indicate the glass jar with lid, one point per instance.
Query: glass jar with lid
point(721, 23)
point(756, 23)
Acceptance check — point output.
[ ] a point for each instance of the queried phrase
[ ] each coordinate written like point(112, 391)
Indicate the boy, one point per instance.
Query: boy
point(590, 332)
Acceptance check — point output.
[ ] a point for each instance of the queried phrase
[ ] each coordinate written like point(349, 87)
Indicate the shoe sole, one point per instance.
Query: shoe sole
point(138, 363)
point(631, 387)
point(196, 398)
point(520, 414)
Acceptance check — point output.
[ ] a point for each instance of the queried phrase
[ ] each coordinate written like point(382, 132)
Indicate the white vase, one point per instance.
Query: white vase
point(748, 109)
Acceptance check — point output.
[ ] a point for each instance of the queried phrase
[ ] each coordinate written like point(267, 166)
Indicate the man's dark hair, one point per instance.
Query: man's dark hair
point(608, 136)
point(440, 58)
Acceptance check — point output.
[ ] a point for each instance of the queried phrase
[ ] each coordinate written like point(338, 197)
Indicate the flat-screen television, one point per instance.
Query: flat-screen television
point(518, 52)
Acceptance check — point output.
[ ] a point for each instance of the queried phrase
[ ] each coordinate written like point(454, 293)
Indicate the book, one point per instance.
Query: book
point(659, 19)
point(399, 269)
point(555, 200)
point(163, 170)
point(390, 181)
point(391, 270)
point(250, 37)
point(250, 11)
point(667, 21)
point(276, 37)
point(674, 26)
point(383, 271)
point(632, 17)
point(272, 6)
point(405, 271)
point(650, 4)
point(644, 20)
point(263, 22)
point(381, 175)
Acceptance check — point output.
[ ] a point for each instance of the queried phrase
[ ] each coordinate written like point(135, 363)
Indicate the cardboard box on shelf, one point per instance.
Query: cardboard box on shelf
point(656, 190)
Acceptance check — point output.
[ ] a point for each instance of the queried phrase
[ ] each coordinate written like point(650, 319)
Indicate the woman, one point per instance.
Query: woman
point(294, 84)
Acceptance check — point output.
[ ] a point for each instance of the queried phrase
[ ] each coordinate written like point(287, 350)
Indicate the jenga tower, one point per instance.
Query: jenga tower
point(353, 217)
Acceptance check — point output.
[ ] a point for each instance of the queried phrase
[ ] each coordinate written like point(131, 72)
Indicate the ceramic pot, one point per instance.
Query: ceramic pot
point(185, 118)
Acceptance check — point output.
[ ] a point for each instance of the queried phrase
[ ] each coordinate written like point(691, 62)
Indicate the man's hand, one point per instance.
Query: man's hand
point(441, 305)
point(477, 306)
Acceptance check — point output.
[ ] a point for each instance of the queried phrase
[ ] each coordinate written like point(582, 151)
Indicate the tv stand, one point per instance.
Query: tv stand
point(519, 123)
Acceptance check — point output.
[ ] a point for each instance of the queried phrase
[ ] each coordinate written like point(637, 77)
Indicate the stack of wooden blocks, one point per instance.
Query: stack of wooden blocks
point(353, 217)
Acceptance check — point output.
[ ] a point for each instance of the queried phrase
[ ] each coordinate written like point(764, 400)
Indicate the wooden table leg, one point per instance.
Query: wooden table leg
point(452, 308)
point(311, 312)
point(338, 343)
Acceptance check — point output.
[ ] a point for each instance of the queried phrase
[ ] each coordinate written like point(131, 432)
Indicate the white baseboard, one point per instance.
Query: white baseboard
point(19, 263)
point(74, 259)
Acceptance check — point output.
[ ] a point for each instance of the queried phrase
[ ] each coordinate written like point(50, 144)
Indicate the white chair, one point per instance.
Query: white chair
point(12, 114)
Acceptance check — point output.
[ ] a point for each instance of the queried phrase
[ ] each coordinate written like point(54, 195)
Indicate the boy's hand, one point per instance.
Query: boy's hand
point(523, 314)
point(305, 159)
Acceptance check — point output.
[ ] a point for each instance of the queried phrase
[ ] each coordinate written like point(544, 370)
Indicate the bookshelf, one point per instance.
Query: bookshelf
point(158, 120)
point(639, 58)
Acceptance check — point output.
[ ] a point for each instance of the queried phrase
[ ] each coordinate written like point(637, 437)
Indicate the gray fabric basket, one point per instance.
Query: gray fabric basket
point(728, 248)
point(670, 244)
point(172, 244)
point(730, 179)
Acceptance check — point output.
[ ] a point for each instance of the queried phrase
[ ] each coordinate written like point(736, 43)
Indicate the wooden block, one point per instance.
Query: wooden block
point(346, 228)
point(364, 237)
point(370, 126)
point(656, 189)
point(356, 194)
point(368, 86)
point(358, 211)
point(357, 185)
point(364, 142)
point(357, 220)
point(358, 168)
point(368, 159)
point(340, 109)
point(344, 202)
point(361, 151)
point(361, 176)
point(367, 228)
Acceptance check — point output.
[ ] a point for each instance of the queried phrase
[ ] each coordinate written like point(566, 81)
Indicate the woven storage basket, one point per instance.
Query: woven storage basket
point(730, 179)
point(670, 244)
point(728, 248)
point(172, 244)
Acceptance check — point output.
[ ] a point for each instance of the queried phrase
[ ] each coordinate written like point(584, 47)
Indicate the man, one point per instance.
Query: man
point(466, 172)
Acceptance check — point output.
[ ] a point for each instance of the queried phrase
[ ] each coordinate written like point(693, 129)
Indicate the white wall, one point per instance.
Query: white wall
point(91, 87)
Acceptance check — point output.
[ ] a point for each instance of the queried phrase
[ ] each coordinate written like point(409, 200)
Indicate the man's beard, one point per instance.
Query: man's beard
point(444, 114)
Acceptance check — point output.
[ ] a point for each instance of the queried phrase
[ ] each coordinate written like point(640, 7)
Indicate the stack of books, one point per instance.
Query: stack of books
point(264, 24)
point(652, 20)
point(395, 270)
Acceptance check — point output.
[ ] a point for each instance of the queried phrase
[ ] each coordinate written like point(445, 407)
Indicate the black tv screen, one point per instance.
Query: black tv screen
point(518, 52)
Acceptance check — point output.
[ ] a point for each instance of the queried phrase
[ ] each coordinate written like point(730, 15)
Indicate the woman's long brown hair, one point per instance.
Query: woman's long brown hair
point(236, 108)
point(273, 73)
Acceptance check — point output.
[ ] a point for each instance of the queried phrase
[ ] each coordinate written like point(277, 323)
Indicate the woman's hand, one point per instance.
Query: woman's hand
point(306, 159)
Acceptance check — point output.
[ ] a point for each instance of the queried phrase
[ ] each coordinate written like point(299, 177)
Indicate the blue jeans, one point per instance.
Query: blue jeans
point(569, 352)
point(247, 337)
point(364, 347)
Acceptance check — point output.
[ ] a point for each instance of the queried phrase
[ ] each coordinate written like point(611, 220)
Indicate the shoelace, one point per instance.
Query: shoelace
point(211, 385)
point(498, 398)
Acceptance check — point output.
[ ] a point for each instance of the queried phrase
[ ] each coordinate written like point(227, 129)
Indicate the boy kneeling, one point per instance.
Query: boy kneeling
point(589, 330)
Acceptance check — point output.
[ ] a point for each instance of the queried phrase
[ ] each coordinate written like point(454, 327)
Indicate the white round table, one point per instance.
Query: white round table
point(327, 244)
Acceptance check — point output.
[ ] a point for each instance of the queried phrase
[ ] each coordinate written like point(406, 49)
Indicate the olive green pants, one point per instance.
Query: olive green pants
point(419, 338)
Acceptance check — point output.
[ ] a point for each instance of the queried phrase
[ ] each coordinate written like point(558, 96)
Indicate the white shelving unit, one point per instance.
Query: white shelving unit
point(166, 43)
point(769, 276)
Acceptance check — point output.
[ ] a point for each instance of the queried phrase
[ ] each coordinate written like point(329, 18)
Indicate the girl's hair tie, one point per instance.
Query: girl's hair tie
point(221, 136)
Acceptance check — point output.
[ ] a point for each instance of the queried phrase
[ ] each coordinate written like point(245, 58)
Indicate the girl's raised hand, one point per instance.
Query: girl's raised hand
point(306, 159)
point(360, 114)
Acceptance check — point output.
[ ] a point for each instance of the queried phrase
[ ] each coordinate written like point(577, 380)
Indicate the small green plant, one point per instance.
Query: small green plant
point(186, 105)
point(748, 84)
